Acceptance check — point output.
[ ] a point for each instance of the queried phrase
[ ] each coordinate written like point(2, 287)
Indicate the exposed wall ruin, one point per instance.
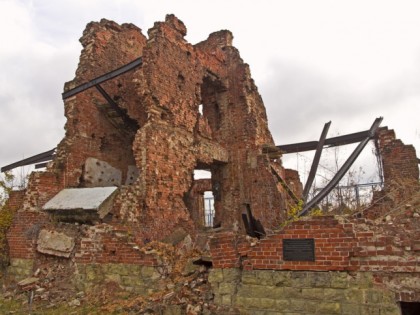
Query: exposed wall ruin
point(158, 133)
point(195, 107)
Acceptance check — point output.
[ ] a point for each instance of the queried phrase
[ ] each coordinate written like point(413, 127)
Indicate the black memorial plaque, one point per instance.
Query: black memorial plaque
point(299, 249)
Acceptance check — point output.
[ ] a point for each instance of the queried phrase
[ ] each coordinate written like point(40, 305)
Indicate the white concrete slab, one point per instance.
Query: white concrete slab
point(80, 198)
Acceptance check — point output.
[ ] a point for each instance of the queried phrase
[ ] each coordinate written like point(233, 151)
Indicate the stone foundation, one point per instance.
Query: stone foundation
point(133, 278)
point(302, 292)
point(138, 279)
point(20, 268)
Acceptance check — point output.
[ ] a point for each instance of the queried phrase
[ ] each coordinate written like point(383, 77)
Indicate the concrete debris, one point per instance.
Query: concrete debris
point(176, 237)
point(55, 243)
point(28, 281)
point(74, 303)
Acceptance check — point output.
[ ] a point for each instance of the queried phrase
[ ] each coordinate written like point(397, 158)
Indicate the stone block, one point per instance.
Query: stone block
point(300, 279)
point(390, 310)
point(373, 296)
point(249, 277)
point(94, 273)
point(282, 304)
point(231, 274)
point(319, 279)
point(227, 288)
point(149, 273)
point(282, 278)
point(313, 293)
point(340, 280)
point(311, 307)
point(266, 277)
point(215, 276)
point(333, 294)
point(292, 292)
point(259, 291)
point(296, 305)
point(55, 243)
point(364, 280)
point(20, 268)
point(226, 299)
point(131, 281)
point(353, 296)
point(256, 303)
point(369, 310)
point(328, 308)
point(268, 304)
point(350, 309)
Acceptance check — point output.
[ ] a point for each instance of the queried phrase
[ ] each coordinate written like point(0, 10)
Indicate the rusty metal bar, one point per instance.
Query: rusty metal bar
point(41, 157)
point(331, 142)
point(315, 162)
point(284, 185)
point(111, 102)
point(343, 170)
point(103, 78)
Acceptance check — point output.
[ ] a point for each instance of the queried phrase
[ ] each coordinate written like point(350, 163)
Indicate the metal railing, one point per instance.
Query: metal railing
point(208, 211)
point(349, 196)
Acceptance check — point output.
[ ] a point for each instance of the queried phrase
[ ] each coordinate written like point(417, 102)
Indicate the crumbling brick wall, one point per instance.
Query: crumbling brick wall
point(186, 107)
point(400, 167)
point(399, 161)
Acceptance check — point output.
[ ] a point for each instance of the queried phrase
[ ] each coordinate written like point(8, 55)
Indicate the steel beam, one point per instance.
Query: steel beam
point(41, 157)
point(331, 142)
point(284, 185)
point(103, 78)
point(110, 101)
point(315, 162)
point(343, 170)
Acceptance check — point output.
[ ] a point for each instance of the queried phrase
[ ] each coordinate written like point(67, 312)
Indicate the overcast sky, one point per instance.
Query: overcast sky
point(313, 61)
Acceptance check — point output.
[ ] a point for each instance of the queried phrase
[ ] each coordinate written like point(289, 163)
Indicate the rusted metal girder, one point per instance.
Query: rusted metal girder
point(331, 142)
point(315, 162)
point(343, 170)
point(127, 124)
point(253, 226)
point(49, 155)
point(284, 185)
point(41, 157)
point(103, 78)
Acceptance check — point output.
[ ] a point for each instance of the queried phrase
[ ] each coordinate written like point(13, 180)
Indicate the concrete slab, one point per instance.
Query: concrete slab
point(99, 173)
point(80, 198)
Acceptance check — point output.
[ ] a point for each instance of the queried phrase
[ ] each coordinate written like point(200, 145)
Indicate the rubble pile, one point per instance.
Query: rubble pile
point(182, 278)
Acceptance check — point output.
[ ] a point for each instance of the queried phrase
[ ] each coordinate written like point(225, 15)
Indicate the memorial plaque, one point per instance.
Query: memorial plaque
point(299, 249)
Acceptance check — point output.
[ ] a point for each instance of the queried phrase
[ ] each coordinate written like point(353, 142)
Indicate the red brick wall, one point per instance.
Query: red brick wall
point(15, 200)
point(23, 233)
point(399, 161)
point(42, 186)
point(104, 244)
point(354, 245)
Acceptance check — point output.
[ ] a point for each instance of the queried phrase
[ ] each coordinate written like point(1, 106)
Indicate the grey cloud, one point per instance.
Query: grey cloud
point(300, 101)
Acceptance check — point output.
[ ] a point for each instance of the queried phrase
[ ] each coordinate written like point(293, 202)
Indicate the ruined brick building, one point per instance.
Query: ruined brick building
point(123, 176)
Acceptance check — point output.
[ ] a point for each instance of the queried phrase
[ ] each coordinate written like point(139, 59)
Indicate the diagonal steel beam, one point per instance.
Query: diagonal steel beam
point(105, 77)
point(284, 185)
point(343, 170)
point(315, 162)
point(110, 101)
